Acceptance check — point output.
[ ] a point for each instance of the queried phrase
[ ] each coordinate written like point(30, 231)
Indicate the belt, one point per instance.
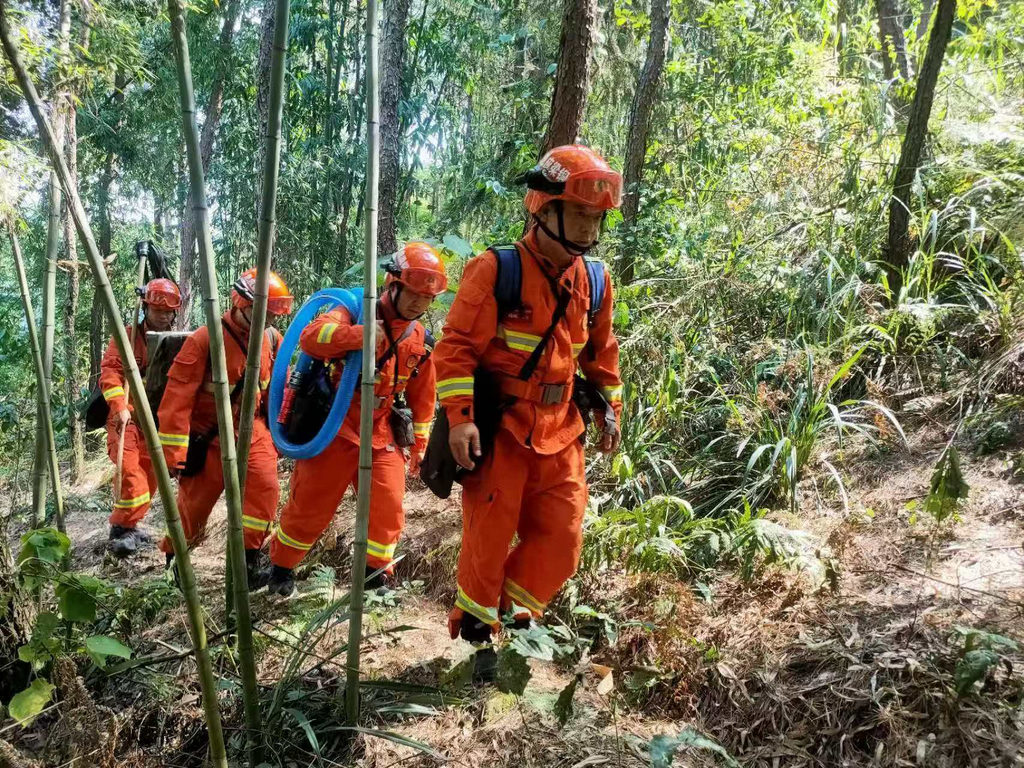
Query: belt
point(545, 394)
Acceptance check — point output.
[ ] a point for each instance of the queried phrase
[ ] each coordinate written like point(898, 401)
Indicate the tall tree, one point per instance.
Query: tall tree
point(392, 68)
point(58, 109)
point(214, 108)
point(894, 44)
point(640, 123)
point(72, 383)
point(913, 143)
point(572, 78)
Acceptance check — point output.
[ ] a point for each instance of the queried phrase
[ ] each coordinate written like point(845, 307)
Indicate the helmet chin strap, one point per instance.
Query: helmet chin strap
point(396, 291)
point(571, 247)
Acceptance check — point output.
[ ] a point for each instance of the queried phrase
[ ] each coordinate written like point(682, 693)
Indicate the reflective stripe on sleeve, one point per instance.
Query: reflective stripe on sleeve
point(612, 394)
point(326, 332)
point(421, 428)
point(174, 441)
point(110, 394)
point(455, 387)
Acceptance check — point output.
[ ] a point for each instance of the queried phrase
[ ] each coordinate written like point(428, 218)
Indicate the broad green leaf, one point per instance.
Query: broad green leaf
point(457, 245)
point(101, 646)
point(513, 671)
point(563, 707)
point(973, 667)
point(76, 605)
point(25, 706)
point(663, 748)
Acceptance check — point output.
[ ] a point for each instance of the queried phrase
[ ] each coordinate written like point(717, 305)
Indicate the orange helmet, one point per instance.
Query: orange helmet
point(279, 299)
point(419, 268)
point(162, 294)
point(574, 173)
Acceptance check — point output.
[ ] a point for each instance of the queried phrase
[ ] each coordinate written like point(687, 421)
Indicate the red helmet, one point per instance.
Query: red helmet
point(279, 300)
point(574, 173)
point(162, 294)
point(419, 268)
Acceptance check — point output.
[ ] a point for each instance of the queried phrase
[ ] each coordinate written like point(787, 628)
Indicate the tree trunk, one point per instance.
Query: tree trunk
point(53, 231)
point(392, 65)
point(640, 122)
point(72, 383)
point(927, 6)
point(186, 275)
point(913, 143)
point(894, 45)
point(569, 98)
point(263, 92)
point(355, 133)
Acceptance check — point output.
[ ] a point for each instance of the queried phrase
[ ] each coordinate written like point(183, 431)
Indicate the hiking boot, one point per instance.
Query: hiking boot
point(279, 581)
point(382, 581)
point(125, 542)
point(485, 665)
point(255, 577)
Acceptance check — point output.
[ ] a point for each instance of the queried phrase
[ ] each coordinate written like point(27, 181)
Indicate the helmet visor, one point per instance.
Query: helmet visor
point(279, 305)
point(424, 281)
point(600, 189)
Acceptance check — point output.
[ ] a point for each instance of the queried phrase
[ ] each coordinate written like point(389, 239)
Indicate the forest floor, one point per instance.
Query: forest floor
point(780, 673)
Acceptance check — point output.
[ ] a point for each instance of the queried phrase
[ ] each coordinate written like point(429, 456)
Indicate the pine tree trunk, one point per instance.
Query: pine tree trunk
point(186, 276)
point(572, 79)
point(894, 44)
point(640, 123)
point(392, 67)
point(913, 143)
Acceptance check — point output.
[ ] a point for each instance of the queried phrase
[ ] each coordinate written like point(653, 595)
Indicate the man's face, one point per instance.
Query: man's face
point(582, 223)
point(159, 319)
point(412, 304)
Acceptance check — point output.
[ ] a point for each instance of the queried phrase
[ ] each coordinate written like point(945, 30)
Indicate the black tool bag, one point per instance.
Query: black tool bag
point(95, 411)
point(402, 426)
point(311, 405)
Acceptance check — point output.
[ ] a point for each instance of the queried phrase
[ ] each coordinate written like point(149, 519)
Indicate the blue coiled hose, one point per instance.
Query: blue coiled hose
point(325, 300)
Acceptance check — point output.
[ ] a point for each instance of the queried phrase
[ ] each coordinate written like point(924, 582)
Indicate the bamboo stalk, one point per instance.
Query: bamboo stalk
point(41, 383)
point(219, 376)
point(355, 630)
point(141, 403)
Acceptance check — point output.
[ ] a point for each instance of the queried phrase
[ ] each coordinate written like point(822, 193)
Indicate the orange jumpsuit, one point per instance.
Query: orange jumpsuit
point(532, 481)
point(138, 480)
point(318, 484)
point(188, 407)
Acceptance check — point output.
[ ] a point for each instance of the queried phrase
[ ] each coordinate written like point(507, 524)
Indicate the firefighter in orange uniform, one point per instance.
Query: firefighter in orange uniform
point(415, 276)
point(160, 302)
point(188, 423)
point(531, 481)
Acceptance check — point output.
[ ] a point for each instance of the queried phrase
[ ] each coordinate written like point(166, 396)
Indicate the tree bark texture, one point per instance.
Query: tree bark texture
point(927, 6)
point(186, 275)
point(572, 80)
point(263, 93)
point(640, 123)
point(913, 143)
point(894, 44)
point(392, 67)
point(71, 374)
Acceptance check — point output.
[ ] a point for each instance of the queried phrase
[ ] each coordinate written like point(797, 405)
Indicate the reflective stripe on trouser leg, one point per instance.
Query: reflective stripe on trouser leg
point(550, 529)
point(521, 602)
point(317, 486)
point(387, 518)
point(138, 481)
point(491, 499)
point(261, 487)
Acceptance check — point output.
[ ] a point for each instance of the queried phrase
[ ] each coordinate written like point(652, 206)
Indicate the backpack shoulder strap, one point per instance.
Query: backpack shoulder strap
point(508, 285)
point(595, 279)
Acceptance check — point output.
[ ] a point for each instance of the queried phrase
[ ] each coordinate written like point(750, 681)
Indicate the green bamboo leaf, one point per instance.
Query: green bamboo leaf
point(307, 727)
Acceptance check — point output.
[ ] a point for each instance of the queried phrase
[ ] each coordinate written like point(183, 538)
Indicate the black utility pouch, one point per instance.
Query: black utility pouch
point(401, 427)
point(198, 448)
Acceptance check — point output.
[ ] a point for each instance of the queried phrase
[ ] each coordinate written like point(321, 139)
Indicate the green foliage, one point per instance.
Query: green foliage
point(948, 487)
point(42, 551)
point(663, 748)
point(27, 705)
point(981, 652)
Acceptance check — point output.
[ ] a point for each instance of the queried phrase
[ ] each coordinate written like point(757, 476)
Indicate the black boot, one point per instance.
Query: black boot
point(280, 581)
point(485, 661)
point(256, 578)
point(382, 580)
point(125, 542)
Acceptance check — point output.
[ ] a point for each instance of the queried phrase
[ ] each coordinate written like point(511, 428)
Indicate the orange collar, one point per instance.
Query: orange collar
point(565, 275)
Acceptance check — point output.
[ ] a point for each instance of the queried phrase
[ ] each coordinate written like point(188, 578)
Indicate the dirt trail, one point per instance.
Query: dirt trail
point(782, 675)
